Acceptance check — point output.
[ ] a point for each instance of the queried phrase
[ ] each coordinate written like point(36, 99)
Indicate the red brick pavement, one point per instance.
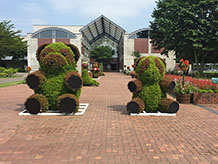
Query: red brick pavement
point(105, 134)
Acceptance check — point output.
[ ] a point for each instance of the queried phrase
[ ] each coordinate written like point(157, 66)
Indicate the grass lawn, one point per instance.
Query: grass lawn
point(11, 83)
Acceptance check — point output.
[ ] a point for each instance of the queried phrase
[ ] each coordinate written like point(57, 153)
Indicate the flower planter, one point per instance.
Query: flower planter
point(205, 98)
point(184, 98)
point(184, 68)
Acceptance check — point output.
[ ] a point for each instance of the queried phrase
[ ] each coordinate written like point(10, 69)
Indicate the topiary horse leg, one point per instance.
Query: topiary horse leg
point(36, 103)
point(68, 103)
point(168, 106)
point(136, 105)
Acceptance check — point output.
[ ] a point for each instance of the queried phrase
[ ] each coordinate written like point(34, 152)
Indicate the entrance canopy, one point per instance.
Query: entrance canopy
point(100, 27)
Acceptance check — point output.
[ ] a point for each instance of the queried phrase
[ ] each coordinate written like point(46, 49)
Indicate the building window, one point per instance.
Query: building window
point(61, 34)
point(143, 33)
point(53, 33)
point(46, 34)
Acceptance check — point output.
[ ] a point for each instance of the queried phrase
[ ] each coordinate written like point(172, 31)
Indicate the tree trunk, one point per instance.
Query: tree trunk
point(202, 65)
point(196, 61)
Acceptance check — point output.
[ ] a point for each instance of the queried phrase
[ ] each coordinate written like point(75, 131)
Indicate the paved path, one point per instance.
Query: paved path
point(20, 76)
point(105, 134)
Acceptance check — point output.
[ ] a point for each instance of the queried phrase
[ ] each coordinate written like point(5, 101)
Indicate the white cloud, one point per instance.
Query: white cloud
point(114, 9)
point(32, 7)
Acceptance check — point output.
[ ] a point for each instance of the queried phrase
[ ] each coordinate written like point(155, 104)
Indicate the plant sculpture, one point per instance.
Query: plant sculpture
point(149, 89)
point(87, 80)
point(101, 73)
point(56, 85)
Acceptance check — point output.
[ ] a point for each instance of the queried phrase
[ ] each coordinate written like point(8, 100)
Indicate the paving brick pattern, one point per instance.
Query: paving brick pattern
point(106, 133)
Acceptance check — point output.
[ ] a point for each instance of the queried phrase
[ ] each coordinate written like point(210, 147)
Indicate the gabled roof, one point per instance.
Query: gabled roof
point(100, 27)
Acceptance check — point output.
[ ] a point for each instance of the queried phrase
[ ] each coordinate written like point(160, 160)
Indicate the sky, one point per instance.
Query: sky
point(131, 15)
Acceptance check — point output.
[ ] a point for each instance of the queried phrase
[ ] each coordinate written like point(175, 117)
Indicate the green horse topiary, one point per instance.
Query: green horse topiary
point(87, 80)
point(149, 89)
point(57, 85)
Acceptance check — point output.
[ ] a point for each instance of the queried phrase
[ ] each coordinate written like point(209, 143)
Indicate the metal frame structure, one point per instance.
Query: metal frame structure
point(100, 27)
point(53, 29)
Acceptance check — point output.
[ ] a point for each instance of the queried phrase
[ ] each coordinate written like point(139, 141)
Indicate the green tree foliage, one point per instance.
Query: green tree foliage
point(11, 42)
point(188, 27)
point(102, 54)
point(136, 54)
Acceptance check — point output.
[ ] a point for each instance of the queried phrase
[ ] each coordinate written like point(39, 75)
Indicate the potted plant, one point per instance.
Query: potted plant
point(184, 66)
point(95, 70)
point(184, 91)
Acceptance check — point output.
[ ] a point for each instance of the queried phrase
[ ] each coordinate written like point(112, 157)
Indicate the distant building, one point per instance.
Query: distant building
point(10, 62)
point(100, 31)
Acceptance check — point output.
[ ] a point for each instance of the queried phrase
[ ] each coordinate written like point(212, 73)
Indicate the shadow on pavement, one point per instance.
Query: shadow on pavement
point(20, 107)
point(119, 108)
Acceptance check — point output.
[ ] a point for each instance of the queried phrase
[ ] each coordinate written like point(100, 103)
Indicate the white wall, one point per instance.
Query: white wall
point(32, 45)
point(128, 50)
point(129, 60)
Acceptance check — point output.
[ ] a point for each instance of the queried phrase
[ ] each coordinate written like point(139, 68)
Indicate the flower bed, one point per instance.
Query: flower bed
point(204, 91)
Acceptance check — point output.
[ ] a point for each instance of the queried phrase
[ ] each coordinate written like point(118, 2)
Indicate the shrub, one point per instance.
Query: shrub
point(2, 69)
point(202, 91)
point(8, 72)
point(13, 70)
point(210, 91)
point(3, 74)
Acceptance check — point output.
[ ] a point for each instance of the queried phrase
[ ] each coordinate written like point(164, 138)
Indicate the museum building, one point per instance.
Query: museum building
point(99, 32)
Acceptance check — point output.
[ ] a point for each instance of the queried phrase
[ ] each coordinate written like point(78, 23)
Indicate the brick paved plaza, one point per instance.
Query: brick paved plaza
point(106, 133)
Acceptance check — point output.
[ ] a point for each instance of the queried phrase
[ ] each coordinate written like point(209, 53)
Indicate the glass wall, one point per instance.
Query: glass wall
point(54, 33)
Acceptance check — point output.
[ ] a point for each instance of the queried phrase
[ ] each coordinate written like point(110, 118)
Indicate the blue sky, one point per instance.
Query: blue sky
point(129, 14)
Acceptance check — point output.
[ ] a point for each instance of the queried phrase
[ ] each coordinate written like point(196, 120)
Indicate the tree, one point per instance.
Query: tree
point(102, 54)
point(135, 54)
point(11, 42)
point(188, 27)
